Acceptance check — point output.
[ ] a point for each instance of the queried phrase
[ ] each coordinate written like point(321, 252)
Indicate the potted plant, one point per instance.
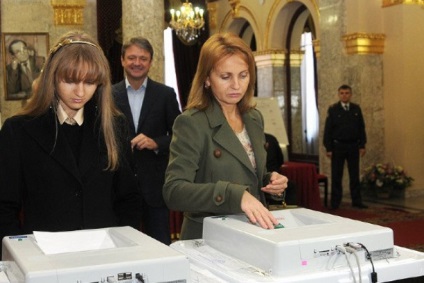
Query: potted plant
point(386, 179)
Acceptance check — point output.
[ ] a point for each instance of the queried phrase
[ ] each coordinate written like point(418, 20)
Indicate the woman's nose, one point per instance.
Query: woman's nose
point(236, 83)
point(79, 89)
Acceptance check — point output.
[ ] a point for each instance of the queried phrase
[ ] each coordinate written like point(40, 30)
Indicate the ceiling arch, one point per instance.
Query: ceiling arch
point(279, 19)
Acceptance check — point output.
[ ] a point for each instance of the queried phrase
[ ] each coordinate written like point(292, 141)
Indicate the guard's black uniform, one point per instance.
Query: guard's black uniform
point(344, 135)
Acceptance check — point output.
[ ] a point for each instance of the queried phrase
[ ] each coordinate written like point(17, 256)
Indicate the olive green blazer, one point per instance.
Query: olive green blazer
point(209, 169)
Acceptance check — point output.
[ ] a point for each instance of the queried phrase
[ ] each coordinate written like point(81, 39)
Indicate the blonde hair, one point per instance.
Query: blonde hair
point(217, 47)
point(76, 57)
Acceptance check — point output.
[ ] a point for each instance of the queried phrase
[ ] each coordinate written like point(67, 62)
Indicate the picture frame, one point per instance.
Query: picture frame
point(24, 57)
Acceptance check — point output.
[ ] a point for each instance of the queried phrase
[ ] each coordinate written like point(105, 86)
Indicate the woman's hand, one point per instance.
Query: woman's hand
point(277, 184)
point(257, 212)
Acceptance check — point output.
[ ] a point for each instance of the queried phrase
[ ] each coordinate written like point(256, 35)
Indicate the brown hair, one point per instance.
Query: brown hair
point(76, 57)
point(140, 42)
point(217, 47)
point(345, 87)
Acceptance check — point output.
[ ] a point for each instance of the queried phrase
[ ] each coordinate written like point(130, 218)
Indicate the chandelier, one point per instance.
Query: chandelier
point(187, 22)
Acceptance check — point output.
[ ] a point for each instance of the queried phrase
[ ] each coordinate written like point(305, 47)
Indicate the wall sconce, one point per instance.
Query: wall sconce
point(68, 12)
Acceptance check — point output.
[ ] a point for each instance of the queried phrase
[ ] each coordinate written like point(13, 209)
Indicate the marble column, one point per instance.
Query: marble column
point(146, 18)
point(270, 73)
point(297, 114)
point(271, 76)
point(271, 82)
point(337, 65)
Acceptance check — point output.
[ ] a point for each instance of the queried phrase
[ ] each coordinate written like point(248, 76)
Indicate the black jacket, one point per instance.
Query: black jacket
point(344, 126)
point(41, 178)
point(158, 112)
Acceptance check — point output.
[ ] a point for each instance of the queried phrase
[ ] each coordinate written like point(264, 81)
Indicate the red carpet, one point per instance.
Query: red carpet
point(408, 227)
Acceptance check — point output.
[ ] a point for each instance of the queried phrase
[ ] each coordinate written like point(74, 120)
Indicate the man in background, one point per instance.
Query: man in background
point(150, 108)
point(23, 69)
point(344, 140)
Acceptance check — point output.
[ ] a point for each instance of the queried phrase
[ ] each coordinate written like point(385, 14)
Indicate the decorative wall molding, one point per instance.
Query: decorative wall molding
point(235, 5)
point(245, 12)
point(317, 47)
point(68, 12)
point(270, 57)
point(277, 57)
point(364, 43)
point(275, 8)
point(388, 3)
point(269, 51)
point(212, 13)
point(296, 57)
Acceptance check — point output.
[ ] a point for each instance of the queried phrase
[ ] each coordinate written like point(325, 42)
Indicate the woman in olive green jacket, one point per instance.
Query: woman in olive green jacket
point(217, 155)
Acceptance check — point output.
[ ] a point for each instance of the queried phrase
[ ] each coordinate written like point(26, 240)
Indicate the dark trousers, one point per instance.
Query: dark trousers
point(342, 152)
point(155, 223)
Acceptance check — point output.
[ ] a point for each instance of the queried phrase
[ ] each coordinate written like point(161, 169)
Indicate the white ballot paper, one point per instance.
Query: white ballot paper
point(73, 241)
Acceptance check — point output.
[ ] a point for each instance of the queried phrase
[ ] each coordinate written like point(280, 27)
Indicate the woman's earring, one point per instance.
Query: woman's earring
point(207, 85)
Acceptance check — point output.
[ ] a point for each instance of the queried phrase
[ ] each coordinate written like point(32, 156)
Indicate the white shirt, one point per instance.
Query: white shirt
point(345, 105)
point(64, 118)
point(135, 98)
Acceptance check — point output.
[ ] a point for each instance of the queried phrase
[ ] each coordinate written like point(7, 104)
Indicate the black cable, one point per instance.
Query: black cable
point(139, 277)
point(373, 273)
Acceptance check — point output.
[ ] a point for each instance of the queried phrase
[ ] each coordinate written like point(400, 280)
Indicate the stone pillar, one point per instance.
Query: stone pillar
point(270, 73)
point(271, 81)
point(297, 115)
point(146, 18)
point(339, 64)
point(271, 76)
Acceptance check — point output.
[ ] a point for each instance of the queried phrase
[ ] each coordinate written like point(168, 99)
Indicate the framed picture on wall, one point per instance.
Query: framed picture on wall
point(24, 57)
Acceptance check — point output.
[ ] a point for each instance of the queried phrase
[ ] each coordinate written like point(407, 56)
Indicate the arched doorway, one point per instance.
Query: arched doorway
point(292, 29)
point(301, 85)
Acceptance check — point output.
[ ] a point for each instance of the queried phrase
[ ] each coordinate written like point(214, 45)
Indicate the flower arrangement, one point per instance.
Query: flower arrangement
point(386, 175)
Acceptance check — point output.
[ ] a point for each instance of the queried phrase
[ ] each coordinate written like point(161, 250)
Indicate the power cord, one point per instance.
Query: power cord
point(343, 251)
point(139, 278)
point(374, 276)
point(353, 251)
